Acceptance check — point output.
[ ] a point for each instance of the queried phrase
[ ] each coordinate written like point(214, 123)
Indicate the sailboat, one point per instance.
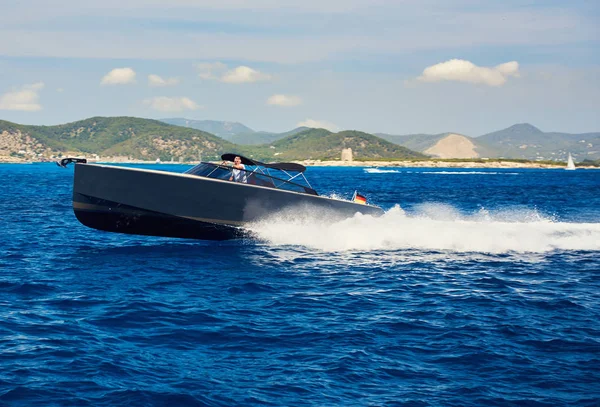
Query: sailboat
point(570, 163)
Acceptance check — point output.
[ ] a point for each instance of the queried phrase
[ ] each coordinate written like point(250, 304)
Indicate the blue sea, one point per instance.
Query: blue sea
point(475, 288)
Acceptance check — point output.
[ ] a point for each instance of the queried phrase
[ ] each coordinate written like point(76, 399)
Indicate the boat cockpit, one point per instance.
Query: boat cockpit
point(285, 176)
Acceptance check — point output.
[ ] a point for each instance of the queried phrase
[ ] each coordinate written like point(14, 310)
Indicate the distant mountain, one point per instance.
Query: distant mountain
point(111, 136)
point(514, 133)
point(417, 142)
point(521, 141)
point(225, 130)
point(445, 145)
point(263, 137)
point(325, 145)
point(233, 131)
point(529, 142)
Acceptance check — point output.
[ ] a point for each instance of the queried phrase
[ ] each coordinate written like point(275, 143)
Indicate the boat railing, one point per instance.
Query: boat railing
point(253, 177)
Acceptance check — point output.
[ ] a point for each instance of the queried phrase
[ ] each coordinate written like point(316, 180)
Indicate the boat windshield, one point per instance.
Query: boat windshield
point(255, 175)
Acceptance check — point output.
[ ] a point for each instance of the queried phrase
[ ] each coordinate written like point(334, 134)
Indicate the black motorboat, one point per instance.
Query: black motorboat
point(201, 203)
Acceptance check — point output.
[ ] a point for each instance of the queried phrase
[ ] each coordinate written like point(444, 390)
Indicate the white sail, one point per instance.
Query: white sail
point(570, 163)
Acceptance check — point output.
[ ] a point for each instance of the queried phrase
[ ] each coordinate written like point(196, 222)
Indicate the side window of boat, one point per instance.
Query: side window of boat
point(200, 170)
point(222, 173)
point(262, 180)
point(254, 178)
point(210, 171)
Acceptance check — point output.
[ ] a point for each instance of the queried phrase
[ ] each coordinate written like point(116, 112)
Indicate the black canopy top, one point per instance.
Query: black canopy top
point(276, 166)
point(286, 167)
point(245, 160)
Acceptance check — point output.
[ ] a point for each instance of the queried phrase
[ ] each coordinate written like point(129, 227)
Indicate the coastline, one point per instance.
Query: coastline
point(492, 164)
point(438, 164)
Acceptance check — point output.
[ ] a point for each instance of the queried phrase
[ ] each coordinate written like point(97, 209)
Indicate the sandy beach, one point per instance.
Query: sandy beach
point(355, 163)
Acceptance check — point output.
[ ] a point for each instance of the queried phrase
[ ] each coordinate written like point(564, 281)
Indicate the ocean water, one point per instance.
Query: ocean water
point(476, 288)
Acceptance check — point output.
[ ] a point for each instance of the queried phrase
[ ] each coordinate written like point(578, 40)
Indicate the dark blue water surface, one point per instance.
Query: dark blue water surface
point(481, 289)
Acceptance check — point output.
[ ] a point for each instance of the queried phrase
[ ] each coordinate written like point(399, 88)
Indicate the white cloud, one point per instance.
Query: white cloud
point(119, 76)
point(35, 86)
point(210, 70)
point(509, 68)
point(217, 71)
point(284, 100)
point(318, 124)
point(464, 71)
point(171, 104)
point(25, 99)
point(155, 80)
point(244, 74)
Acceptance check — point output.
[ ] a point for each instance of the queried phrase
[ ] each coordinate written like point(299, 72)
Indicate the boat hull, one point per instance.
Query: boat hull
point(157, 203)
point(114, 217)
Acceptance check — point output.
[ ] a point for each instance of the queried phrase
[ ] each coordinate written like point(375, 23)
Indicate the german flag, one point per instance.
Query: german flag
point(358, 198)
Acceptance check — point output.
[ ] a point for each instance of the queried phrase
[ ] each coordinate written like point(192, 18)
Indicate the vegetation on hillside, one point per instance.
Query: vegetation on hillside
point(321, 144)
point(527, 141)
point(590, 163)
point(125, 136)
point(519, 141)
point(146, 139)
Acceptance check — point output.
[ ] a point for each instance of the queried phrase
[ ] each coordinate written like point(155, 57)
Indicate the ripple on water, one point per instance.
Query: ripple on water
point(472, 293)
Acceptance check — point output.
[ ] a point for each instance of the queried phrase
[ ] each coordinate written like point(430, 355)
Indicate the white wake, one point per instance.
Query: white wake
point(380, 171)
point(388, 171)
point(432, 227)
point(469, 173)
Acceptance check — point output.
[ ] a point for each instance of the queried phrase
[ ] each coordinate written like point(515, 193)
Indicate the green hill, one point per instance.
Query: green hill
point(144, 139)
point(120, 136)
point(321, 144)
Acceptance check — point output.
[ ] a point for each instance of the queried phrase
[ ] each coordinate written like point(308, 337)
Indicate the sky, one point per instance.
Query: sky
point(380, 66)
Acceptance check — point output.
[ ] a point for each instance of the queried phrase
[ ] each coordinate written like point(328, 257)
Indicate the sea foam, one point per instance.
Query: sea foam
point(431, 227)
